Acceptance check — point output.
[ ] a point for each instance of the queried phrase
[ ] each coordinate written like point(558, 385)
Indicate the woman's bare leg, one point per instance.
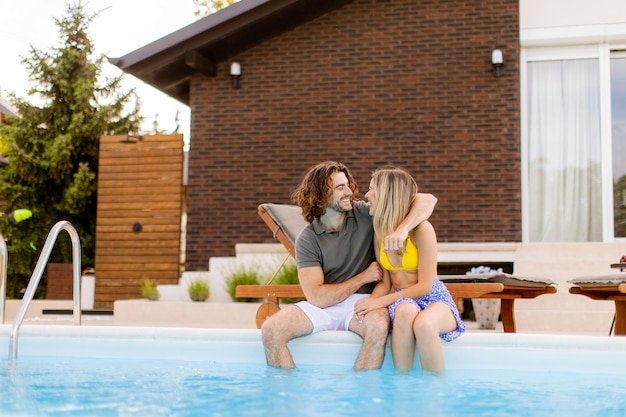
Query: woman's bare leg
point(436, 319)
point(402, 336)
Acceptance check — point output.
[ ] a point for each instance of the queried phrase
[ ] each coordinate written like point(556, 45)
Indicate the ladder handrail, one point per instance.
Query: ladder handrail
point(36, 277)
point(3, 277)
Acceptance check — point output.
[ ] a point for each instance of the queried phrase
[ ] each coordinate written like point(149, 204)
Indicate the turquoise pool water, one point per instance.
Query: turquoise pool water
point(187, 372)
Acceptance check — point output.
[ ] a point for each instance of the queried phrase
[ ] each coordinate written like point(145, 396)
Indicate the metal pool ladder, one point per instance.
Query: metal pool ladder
point(36, 277)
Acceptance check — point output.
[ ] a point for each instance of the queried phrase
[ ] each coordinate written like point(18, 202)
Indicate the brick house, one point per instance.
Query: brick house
point(363, 82)
point(409, 83)
point(528, 166)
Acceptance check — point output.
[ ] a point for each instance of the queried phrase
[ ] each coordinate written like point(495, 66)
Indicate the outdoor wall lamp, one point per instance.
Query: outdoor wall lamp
point(497, 62)
point(235, 73)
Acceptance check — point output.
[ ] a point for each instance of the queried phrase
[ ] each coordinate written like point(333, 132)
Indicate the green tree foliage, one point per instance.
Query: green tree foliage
point(53, 147)
point(206, 7)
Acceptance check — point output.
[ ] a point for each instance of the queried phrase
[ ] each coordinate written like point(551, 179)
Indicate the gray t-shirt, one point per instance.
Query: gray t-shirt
point(343, 254)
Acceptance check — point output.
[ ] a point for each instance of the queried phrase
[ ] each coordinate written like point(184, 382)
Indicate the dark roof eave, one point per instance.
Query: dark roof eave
point(168, 63)
point(194, 31)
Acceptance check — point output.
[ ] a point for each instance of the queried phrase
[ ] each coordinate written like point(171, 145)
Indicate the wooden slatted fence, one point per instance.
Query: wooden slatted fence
point(140, 185)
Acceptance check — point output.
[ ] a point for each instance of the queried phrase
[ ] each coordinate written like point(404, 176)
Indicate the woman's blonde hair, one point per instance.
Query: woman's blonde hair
point(395, 190)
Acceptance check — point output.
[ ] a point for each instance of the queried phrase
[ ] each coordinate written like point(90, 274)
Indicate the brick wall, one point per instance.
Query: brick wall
point(401, 82)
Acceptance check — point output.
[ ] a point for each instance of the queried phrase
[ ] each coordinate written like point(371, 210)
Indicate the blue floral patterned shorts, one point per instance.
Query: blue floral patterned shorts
point(438, 293)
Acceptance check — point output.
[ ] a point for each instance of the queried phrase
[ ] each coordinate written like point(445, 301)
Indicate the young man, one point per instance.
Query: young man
point(337, 266)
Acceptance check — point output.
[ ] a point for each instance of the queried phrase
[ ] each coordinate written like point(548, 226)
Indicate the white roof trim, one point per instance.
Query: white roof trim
point(573, 35)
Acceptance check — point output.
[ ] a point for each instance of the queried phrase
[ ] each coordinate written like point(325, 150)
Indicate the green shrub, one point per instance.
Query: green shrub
point(198, 290)
point(242, 276)
point(150, 291)
point(288, 274)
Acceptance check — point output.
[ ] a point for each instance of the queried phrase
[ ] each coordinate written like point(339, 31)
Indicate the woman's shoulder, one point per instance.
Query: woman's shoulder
point(425, 228)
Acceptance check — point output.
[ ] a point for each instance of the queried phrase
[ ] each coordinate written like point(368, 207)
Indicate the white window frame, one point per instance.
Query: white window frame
point(593, 41)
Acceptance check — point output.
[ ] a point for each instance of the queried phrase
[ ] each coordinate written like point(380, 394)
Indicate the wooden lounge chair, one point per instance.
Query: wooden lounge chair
point(286, 222)
point(609, 288)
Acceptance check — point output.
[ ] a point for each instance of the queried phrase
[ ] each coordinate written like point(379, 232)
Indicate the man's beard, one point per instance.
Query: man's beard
point(335, 205)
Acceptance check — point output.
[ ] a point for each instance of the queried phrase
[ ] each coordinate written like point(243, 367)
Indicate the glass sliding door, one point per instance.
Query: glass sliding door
point(564, 151)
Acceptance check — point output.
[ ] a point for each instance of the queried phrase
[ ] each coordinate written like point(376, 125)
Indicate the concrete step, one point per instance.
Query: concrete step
point(566, 322)
point(173, 293)
point(564, 313)
point(563, 301)
point(189, 314)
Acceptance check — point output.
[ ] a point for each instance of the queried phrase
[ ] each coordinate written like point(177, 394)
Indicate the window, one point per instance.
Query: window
point(618, 136)
point(574, 155)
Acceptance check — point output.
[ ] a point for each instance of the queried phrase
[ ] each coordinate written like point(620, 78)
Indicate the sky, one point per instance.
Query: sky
point(122, 26)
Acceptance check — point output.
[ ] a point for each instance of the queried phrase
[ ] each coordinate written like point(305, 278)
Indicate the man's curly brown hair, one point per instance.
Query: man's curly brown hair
point(314, 192)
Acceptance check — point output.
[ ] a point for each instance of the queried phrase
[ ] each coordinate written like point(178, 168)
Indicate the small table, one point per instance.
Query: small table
point(615, 292)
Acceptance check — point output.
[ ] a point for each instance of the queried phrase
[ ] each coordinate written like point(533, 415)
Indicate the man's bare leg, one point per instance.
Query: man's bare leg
point(374, 330)
point(290, 322)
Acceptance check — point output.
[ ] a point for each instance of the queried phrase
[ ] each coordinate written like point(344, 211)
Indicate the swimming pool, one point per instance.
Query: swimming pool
point(101, 371)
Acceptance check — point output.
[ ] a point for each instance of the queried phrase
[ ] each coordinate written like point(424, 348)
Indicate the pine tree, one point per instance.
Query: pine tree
point(53, 147)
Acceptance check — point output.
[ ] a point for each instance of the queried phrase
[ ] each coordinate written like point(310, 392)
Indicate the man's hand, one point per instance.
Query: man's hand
point(395, 241)
point(421, 209)
point(373, 273)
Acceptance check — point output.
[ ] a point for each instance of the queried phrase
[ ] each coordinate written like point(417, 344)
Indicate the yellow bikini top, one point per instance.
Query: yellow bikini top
point(410, 258)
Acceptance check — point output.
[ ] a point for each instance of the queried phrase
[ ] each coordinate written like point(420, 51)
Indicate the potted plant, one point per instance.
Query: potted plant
point(486, 310)
point(150, 291)
point(198, 290)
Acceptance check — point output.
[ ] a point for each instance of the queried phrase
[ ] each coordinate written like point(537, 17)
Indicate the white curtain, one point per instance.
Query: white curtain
point(564, 151)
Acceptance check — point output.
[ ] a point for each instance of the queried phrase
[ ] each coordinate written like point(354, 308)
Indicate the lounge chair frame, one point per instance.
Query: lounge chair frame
point(460, 286)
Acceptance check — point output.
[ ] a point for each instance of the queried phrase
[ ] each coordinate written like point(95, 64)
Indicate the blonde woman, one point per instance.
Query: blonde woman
point(420, 307)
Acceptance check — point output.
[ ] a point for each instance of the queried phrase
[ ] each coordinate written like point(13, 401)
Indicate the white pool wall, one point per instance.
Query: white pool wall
point(580, 354)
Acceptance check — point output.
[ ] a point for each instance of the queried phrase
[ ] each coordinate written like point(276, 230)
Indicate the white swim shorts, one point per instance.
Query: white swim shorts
point(335, 317)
